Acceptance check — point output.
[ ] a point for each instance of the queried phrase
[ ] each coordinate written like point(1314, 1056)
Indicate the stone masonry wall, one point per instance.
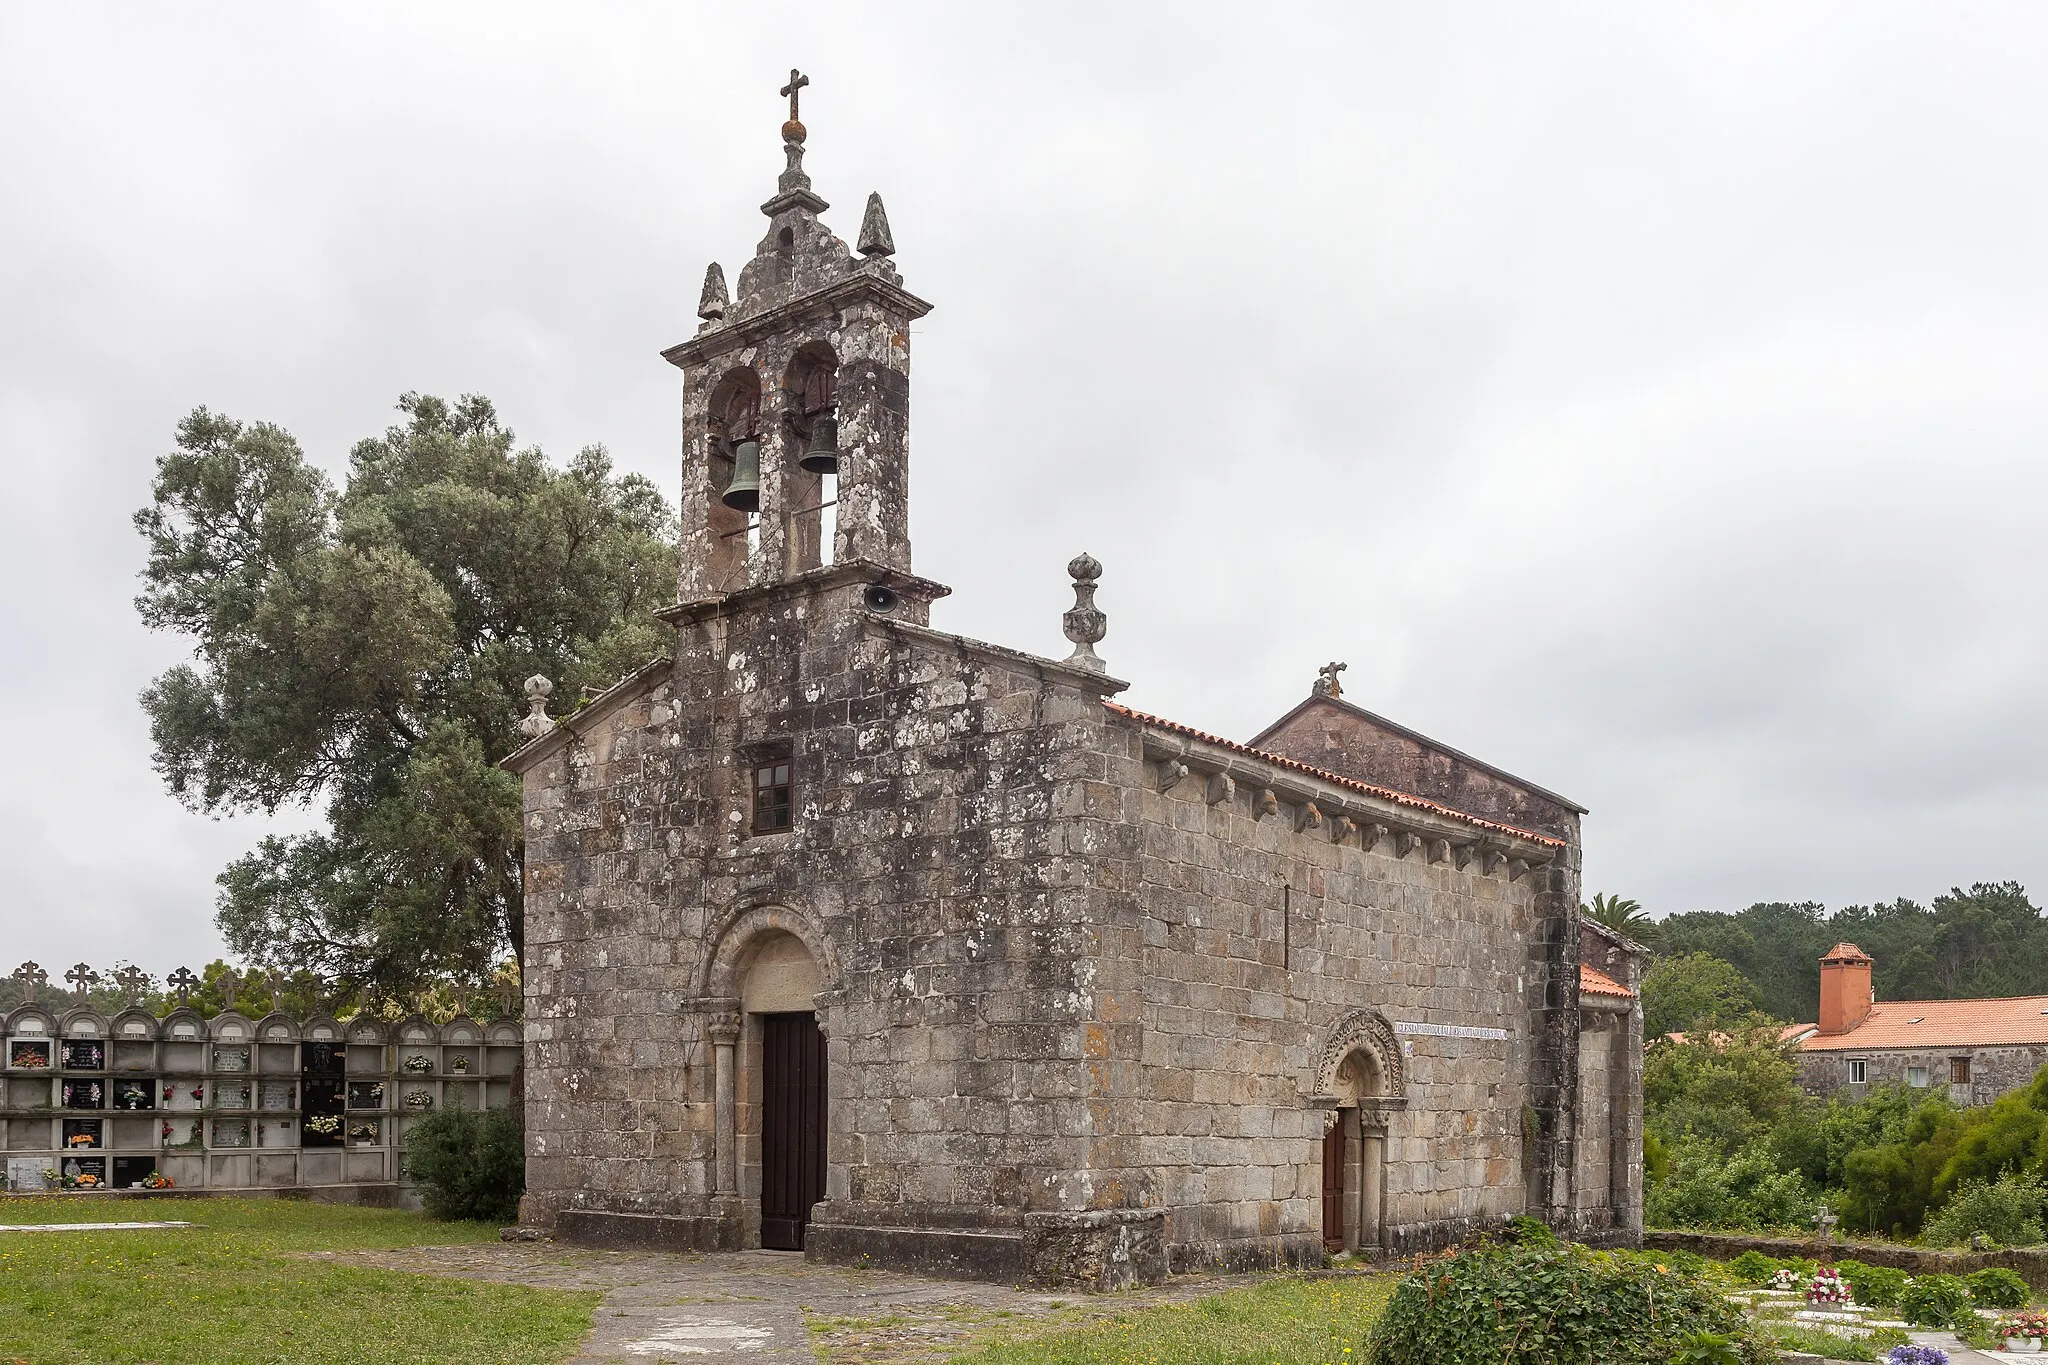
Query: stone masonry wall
point(1994, 1071)
point(1252, 942)
point(954, 843)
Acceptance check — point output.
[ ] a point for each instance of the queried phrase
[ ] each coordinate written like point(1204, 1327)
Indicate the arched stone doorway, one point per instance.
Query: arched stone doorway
point(1357, 1083)
point(770, 1083)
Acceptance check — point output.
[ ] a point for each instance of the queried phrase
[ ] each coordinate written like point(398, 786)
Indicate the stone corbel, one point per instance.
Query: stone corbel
point(1437, 849)
point(1342, 828)
point(1369, 836)
point(1172, 772)
point(1222, 787)
point(1405, 842)
point(1462, 854)
point(1308, 817)
point(1266, 803)
point(1491, 856)
point(1518, 868)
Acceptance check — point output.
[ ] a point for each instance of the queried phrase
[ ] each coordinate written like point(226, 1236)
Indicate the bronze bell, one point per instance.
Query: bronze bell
point(743, 494)
point(821, 453)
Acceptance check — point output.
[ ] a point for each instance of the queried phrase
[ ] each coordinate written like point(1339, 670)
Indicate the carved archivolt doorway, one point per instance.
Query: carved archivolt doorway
point(1358, 1081)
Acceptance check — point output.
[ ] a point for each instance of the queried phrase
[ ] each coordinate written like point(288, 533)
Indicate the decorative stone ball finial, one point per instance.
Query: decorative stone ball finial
point(1326, 680)
point(713, 302)
point(1084, 624)
point(536, 722)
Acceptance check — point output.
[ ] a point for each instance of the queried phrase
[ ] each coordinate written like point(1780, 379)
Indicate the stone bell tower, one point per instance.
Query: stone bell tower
point(796, 400)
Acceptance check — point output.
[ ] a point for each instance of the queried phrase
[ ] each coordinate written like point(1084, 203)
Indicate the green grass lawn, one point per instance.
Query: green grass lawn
point(233, 1293)
point(1285, 1321)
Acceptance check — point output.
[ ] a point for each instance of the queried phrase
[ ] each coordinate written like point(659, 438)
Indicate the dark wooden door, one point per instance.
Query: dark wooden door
point(1333, 1186)
point(792, 1126)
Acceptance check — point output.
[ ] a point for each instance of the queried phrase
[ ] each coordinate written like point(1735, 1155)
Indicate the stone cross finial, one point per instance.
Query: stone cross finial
point(713, 302)
point(82, 978)
point(32, 978)
point(509, 998)
point(132, 980)
point(1084, 624)
point(1326, 680)
point(797, 81)
point(1824, 1226)
point(230, 987)
point(275, 980)
point(536, 722)
point(182, 981)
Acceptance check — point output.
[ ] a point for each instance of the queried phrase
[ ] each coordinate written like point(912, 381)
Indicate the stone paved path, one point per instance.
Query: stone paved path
point(769, 1307)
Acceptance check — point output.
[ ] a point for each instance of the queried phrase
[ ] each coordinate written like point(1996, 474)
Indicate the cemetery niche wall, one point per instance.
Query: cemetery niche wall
point(127, 1100)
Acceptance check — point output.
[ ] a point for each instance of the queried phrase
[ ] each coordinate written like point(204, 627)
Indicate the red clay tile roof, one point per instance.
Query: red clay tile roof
point(1593, 981)
point(1384, 793)
point(1942, 1023)
point(1846, 952)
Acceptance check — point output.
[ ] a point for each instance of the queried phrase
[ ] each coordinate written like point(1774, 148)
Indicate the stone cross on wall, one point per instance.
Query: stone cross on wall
point(182, 981)
point(275, 980)
point(133, 981)
point(32, 978)
point(82, 978)
point(230, 987)
point(1326, 680)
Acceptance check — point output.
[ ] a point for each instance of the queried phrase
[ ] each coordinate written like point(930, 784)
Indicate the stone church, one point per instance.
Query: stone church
point(849, 935)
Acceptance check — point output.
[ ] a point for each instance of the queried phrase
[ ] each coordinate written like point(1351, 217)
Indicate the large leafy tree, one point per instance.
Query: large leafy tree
point(364, 649)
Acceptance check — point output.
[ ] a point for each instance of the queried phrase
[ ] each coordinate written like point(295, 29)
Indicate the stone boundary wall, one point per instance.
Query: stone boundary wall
point(2030, 1263)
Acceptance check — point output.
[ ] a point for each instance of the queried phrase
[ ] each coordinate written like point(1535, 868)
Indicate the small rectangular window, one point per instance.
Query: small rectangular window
point(1856, 1071)
point(1959, 1071)
point(1916, 1076)
point(771, 798)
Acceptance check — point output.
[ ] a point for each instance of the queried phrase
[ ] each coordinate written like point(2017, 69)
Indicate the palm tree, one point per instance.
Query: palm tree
point(1622, 915)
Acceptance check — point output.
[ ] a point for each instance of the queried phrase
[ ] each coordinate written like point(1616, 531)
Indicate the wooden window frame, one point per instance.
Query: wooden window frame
point(771, 794)
point(1959, 1071)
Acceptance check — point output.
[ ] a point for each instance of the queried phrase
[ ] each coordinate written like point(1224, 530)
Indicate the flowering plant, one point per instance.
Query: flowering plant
point(87, 1181)
point(327, 1125)
point(154, 1181)
point(1827, 1287)
point(1786, 1280)
point(79, 1140)
point(419, 1099)
point(1916, 1355)
point(32, 1057)
point(419, 1063)
point(2032, 1323)
point(459, 1064)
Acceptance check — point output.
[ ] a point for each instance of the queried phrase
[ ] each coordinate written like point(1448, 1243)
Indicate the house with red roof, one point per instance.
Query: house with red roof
point(1972, 1050)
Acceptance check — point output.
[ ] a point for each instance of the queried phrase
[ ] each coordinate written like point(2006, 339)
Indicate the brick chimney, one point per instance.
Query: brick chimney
point(1844, 988)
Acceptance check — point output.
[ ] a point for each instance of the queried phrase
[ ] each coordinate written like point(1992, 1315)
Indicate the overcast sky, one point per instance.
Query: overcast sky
point(1648, 399)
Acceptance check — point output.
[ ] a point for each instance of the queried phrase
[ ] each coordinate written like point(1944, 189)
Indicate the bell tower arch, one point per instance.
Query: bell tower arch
point(824, 333)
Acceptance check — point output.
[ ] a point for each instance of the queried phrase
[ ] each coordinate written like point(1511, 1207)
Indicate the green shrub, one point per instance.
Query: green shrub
point(1745, 1192)
point(1524, 1231)
point(1882, 1339)
point(1708, 1348)
point(1997, 1287)
point(1820, 1342)
point(1752, 1267)
point(1935, 1301)
point(468, 1165)
point(1524, 1305)
point(2008, 1211)
point(1875, 1286)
